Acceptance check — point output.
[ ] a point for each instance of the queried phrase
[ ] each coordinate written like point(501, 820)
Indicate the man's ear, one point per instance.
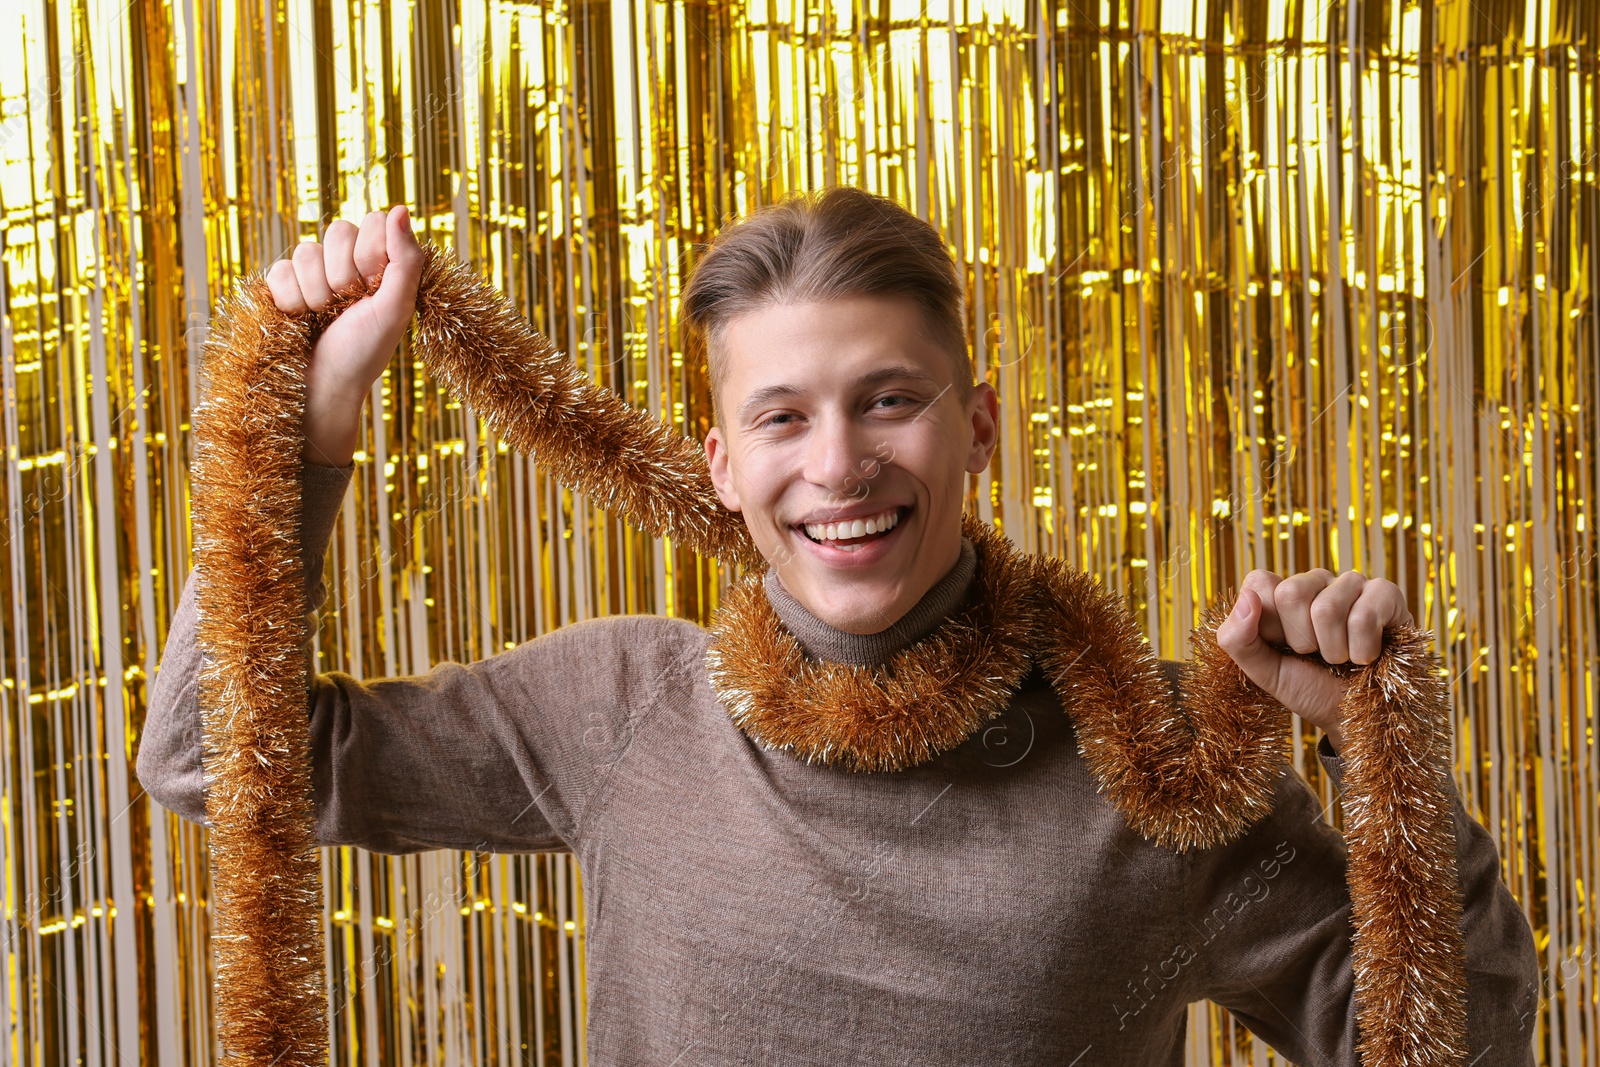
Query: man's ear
point(983, 409)
point(721, 473)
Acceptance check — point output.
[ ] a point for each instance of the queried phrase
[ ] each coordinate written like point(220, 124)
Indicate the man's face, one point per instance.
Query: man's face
point(843, 410)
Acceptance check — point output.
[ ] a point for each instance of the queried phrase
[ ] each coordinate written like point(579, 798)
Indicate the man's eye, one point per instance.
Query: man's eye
point(896, 396)
point(771, 419)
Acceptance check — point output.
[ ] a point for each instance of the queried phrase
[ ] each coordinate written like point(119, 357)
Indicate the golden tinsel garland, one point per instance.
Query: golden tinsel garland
point(1187, 774)
point(887, 717)
point(533, 396)
point(1197, 773)
point(266, 875)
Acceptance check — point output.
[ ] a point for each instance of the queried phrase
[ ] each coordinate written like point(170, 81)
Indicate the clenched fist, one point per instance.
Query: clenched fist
point(1341, 618)
point(353, 351)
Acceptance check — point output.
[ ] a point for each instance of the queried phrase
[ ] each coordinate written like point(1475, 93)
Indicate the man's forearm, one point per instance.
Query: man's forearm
point(332, 423)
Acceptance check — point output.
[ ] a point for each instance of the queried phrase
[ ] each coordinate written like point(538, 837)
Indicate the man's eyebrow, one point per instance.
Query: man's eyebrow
point(894, 372)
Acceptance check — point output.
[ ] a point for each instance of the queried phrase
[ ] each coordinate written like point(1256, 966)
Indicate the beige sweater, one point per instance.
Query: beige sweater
point(988, 906)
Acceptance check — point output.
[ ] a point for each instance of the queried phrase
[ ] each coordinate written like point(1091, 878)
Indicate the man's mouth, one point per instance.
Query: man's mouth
point(852, 532)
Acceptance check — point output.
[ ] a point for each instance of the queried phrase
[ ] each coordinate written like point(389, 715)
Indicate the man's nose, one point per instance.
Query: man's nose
point(841, 458)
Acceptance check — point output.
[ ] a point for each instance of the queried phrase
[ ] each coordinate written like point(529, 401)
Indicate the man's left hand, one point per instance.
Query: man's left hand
point(1341, 617)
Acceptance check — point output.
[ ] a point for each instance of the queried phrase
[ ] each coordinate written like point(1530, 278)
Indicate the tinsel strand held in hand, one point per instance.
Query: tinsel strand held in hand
point(1199, 773)
point(267, 896)
point(1191, 773)
point(1400, 830)
point(476, 343)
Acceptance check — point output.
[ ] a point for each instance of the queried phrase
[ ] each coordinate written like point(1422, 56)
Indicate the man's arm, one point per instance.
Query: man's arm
point(169, 763)
point(1270, 918)
point(498, 755)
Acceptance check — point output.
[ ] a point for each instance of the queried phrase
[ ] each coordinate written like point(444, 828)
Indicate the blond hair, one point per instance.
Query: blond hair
point(836, 242)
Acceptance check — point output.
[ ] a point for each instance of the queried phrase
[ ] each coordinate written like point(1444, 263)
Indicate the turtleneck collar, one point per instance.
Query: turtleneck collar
point(822, 641)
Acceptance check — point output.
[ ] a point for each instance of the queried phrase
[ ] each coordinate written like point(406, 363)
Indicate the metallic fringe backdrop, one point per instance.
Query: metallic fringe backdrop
point(1274, 285)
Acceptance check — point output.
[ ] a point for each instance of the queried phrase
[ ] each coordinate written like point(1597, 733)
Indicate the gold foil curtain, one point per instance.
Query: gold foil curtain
point(1261, 285)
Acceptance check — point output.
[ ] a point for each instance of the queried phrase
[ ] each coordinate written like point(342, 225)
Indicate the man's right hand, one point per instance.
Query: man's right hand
point(355, 348)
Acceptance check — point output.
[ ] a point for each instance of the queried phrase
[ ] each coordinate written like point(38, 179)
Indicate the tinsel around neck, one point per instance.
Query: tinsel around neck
point(926, 699)
point(1186, 774)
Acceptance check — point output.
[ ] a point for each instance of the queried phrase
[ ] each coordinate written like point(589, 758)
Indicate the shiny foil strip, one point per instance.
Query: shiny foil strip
point(1274, 285)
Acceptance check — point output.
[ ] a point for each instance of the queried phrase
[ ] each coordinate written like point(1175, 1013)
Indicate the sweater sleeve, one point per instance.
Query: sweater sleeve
point(169, 760)
point(1270, 919)
point(500, 755)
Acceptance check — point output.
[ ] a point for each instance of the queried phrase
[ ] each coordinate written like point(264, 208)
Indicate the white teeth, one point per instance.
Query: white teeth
point(833, 531)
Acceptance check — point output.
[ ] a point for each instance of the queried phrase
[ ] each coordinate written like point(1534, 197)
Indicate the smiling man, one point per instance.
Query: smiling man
point(976, 899)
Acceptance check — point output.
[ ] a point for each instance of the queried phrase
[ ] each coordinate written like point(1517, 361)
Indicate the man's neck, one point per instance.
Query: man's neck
point(823, 641)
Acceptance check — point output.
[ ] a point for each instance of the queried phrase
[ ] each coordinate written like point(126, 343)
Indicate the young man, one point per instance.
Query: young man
point(985, 904)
